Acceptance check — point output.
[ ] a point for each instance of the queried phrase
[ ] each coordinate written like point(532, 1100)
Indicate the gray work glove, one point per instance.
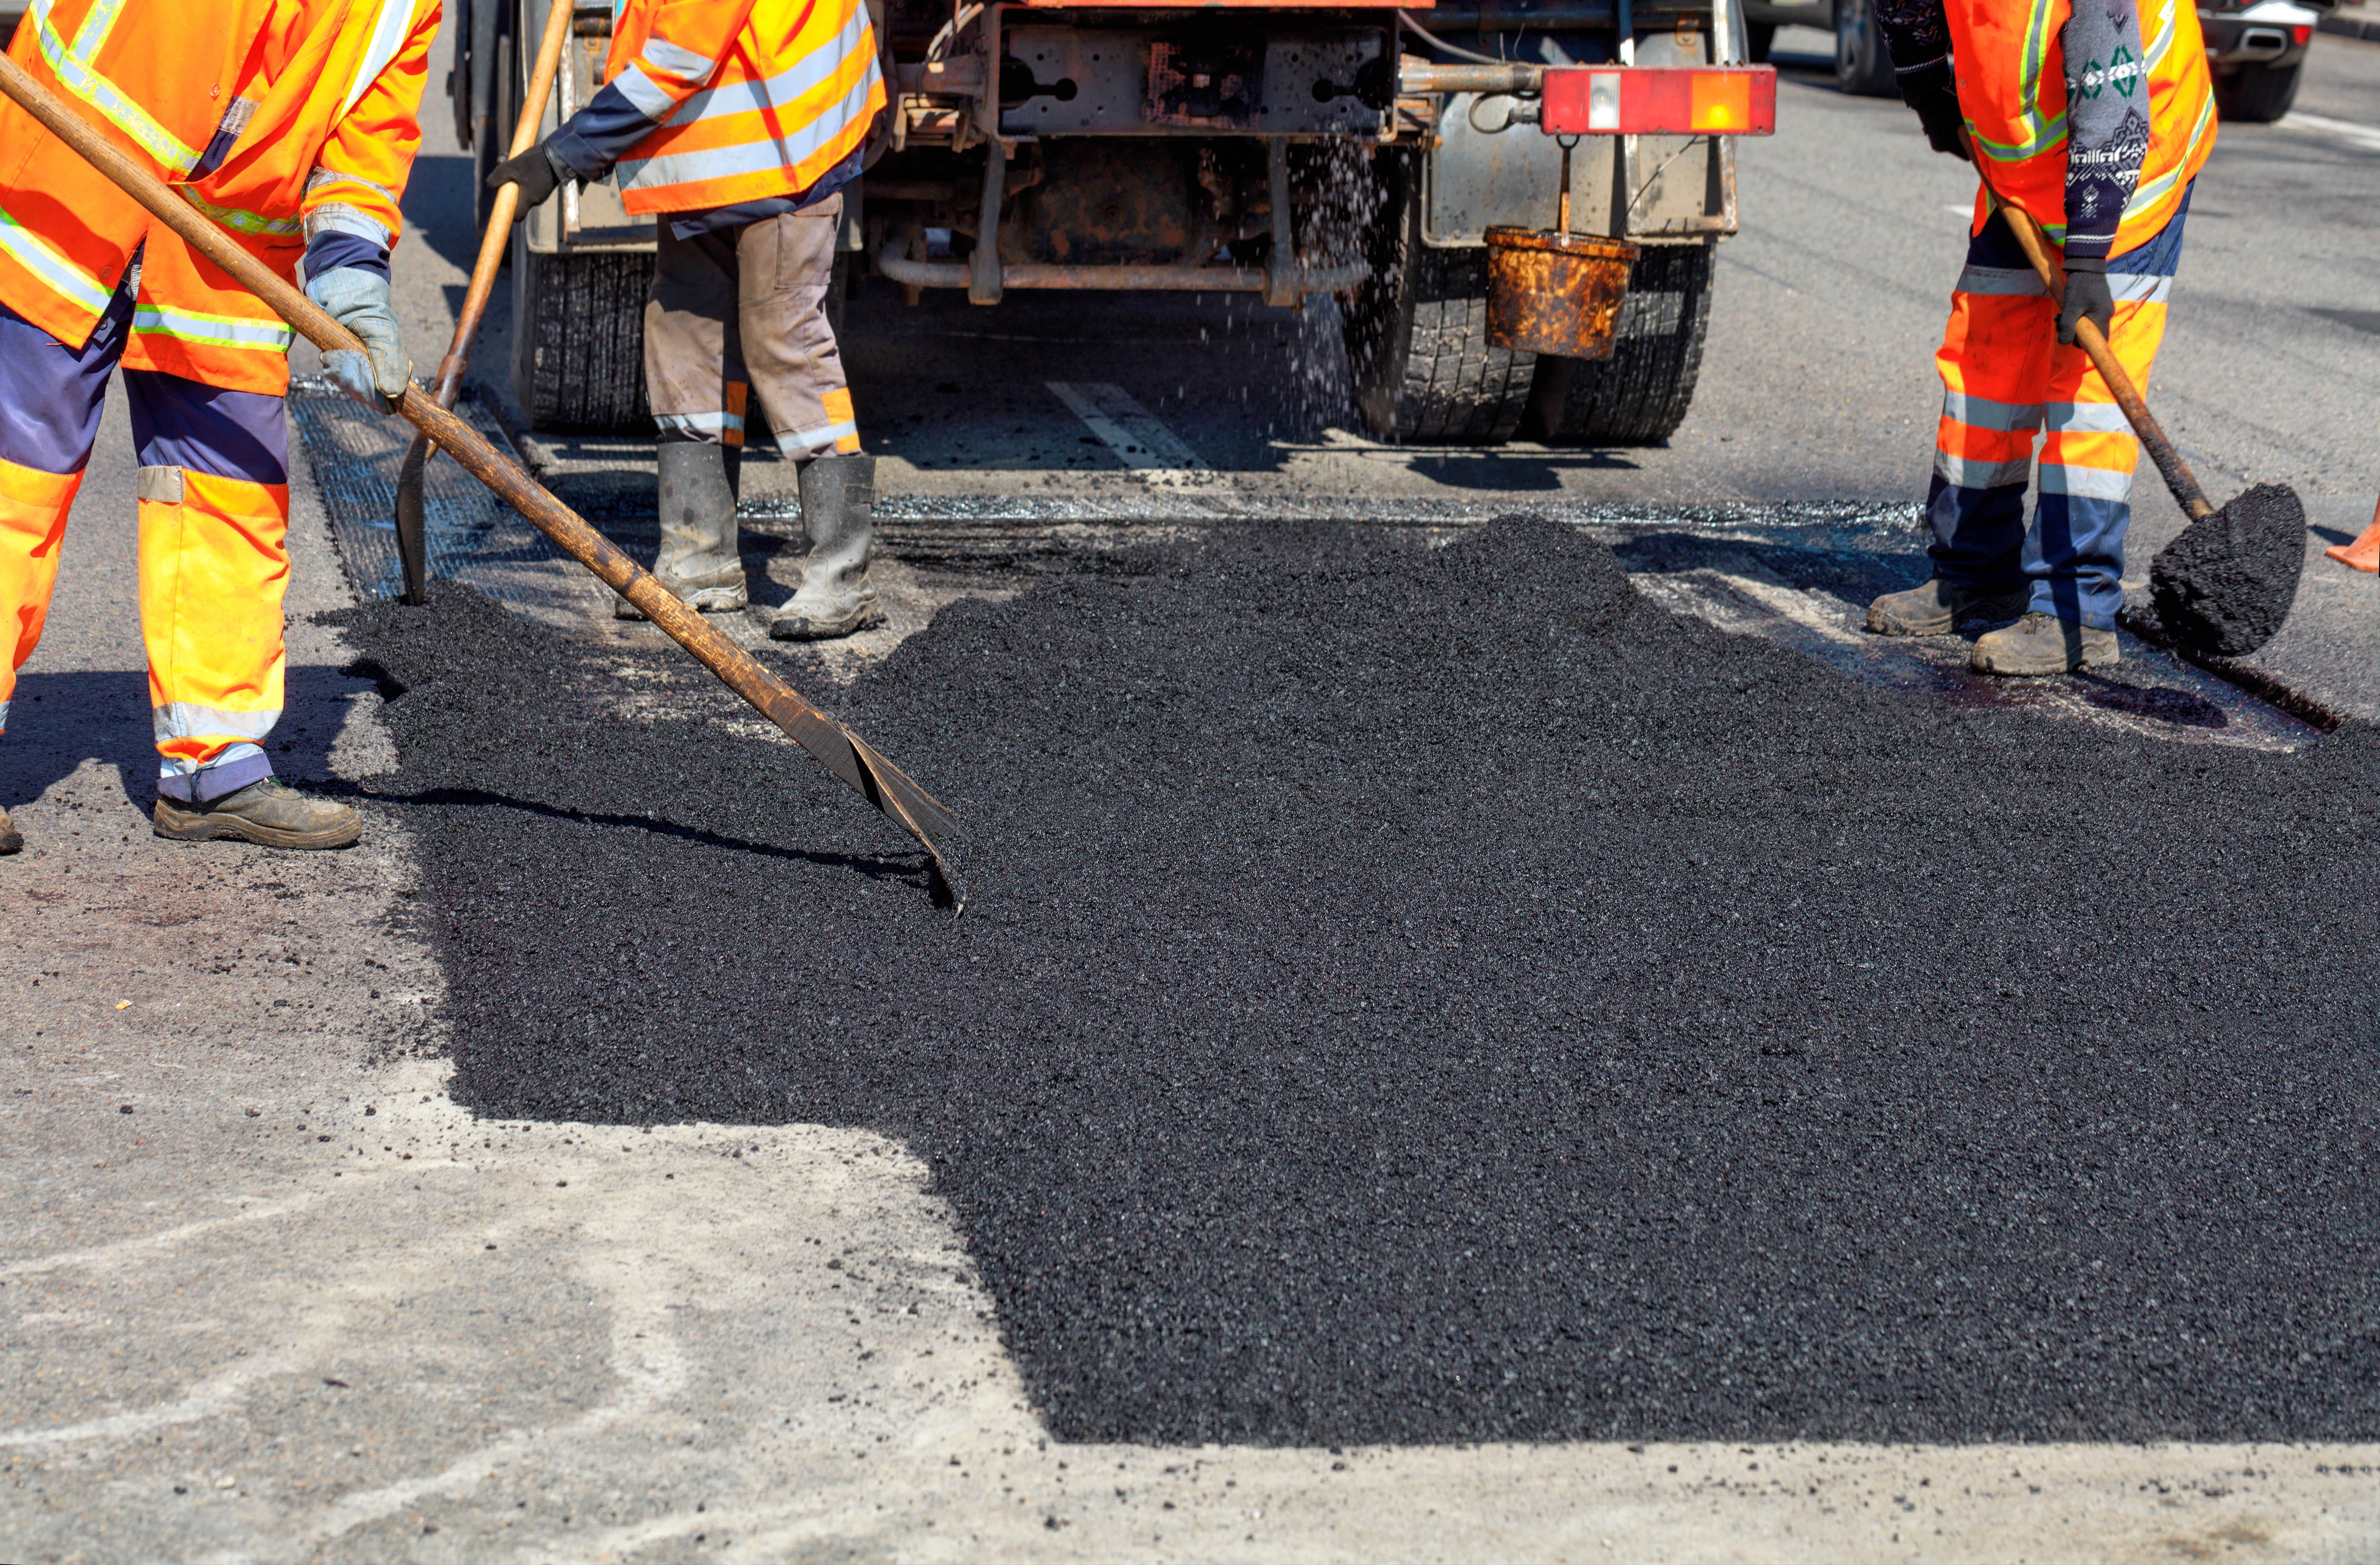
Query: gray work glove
point(2087, 298)
point(358, 300)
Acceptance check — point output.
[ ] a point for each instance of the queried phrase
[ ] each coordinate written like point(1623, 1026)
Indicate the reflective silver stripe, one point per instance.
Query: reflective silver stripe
point(1967, 474)
point(320, 176)
point(647, 99)
point(337, 217)
point(44, 260)
point(1983, 413)
point(162, 485)
point(2090, 418)
point(2090, 483)
point(73, 71)
point(2013, 282)
point(389, 29)
point(2138, 287)
point(240, 221)
point(185, 719)
point(701, 423)
point(684, 63)
point(751, 157)
point(782, 90)
point(219, 331)
point(182, 766)
point(3, 716)
point(812, 440)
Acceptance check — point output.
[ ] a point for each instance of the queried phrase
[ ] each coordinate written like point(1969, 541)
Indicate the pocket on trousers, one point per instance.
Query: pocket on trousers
point(805, 244)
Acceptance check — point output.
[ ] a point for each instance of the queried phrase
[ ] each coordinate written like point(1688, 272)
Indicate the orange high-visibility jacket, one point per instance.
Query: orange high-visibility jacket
point(757, 98)
point(2011, 76)
point(280, 119)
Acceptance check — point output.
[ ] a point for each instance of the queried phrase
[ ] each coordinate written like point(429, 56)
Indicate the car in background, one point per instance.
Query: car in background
point(2256, 48)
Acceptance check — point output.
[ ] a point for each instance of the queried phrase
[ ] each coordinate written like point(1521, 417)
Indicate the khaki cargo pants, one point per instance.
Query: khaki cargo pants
point(740, 311)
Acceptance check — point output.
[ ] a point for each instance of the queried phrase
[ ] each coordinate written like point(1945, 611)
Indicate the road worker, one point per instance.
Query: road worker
point(737, 123)
point(2094, 117)
point(292, 124)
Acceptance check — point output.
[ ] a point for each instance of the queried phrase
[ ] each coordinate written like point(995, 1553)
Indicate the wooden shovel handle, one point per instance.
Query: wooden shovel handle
point(835, 746)
point(499, 234)
point(2094, 343)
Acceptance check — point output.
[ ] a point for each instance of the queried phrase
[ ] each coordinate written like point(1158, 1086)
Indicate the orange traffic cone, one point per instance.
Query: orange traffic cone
point(2363, 554)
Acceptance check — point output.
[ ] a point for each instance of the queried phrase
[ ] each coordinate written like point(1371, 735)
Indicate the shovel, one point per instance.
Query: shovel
point(2222, 588)
point(834, 746)
point(412, 544)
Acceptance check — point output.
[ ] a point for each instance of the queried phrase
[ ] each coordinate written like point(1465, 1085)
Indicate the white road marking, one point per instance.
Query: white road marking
point(1135, 434)
point(136, 1249)
point(2367, 137)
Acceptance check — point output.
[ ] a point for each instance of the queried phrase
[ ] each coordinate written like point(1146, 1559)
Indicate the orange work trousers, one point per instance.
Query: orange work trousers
point(214, 561)
point(2008, 385)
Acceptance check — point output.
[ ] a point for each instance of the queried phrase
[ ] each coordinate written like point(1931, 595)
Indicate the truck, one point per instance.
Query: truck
point(1275, 148)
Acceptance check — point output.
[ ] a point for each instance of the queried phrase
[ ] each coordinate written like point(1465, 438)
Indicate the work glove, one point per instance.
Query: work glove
point(2086, 296)
point(1934, 93)
point(533, 171)
point(358, 300)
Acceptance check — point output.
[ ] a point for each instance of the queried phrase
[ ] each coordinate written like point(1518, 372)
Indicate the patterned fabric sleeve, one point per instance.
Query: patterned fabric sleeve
point(2106, 122)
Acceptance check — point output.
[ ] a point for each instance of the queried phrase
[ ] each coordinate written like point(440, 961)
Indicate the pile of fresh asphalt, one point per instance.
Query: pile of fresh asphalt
point(1419, 995)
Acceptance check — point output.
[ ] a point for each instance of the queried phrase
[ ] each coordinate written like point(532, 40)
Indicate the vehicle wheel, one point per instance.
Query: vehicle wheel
point(1863, 68)
point(1639, 395)
point(1758, 39)
point(2257, 94)
point(579, 338)
point(1416, 331)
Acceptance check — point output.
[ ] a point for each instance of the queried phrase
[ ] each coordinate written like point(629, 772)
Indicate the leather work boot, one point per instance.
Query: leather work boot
point(1936, 608)
point(698, 559)
point(267, 813)
point(838, 513)
point(11, 840)
point(2043, 643)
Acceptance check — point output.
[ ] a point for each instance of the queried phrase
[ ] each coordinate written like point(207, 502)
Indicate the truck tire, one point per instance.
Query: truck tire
point(2257, 94)
point(578, 339)
point(1417, 331)
point(1759, 38)
point(491, 115)
point(1863, 68)
point(1639, 395)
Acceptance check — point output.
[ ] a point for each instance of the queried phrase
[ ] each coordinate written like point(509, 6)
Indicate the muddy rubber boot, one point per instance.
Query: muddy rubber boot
point(2040, 644)
point(698, 559)
point(1936, 608)
point(11, 840)
point(267, 813)
point(838, 513)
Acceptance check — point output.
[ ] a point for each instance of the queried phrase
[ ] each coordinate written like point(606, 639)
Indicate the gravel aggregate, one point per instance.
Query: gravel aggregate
point(1425, 995)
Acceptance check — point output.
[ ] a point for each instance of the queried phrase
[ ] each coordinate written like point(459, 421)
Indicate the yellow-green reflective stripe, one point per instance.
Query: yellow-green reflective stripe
point(2151, 191)
point(241, 222)
point(217, 331)
point(74, 69)
point(2155, 49)
point(2041, 131)
point(36, 256)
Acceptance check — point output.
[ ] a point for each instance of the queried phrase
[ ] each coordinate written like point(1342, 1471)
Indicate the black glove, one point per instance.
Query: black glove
point(533, 172)
point(2086, 297)
point(1931, 92)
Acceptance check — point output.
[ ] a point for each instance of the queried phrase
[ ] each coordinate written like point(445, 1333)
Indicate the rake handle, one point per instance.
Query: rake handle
point(836, 747)
point(2094, 343)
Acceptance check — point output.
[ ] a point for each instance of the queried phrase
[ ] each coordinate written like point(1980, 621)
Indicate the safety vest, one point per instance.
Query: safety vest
point(760, 98)
point(278, 118)
point(2012, 75)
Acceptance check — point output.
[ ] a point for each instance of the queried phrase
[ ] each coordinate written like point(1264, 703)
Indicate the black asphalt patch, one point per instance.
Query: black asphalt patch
point(1423, 996)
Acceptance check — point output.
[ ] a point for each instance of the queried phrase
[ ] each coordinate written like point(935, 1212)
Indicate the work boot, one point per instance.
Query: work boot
point(11, 840)
point(698, 559)
point(2043, 643)
point(839, 514)
point(1936, 608)
point(266, 813)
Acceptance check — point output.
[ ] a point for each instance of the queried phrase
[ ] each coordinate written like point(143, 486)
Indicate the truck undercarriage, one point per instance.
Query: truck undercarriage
point(1279, 150)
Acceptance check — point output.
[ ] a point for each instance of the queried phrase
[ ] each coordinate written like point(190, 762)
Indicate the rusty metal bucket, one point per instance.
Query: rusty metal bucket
point(1552, 292)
